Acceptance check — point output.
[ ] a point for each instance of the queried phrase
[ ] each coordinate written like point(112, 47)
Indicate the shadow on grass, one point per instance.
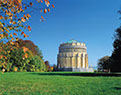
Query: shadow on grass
point(78, 74)
point(117, 88)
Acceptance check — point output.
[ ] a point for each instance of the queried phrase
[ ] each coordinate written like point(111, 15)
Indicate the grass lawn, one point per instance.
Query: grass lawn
point(58, 83)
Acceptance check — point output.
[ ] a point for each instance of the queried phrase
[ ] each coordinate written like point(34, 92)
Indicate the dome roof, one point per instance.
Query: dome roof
point(72, 41)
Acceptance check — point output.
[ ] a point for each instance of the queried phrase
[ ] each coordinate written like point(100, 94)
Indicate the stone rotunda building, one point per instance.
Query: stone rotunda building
point(73, 57)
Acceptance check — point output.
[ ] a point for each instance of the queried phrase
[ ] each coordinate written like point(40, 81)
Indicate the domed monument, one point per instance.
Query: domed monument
point(73, 57)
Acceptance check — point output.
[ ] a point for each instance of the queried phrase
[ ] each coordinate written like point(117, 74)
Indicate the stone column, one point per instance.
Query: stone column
point(66, 65)
point(86, 61)
point(83, 61)
point(62, 65)
point(73, 61)
point(71, 65)
point(78, 61)
point(58, 61)
point(63, 62)
point(68, 60)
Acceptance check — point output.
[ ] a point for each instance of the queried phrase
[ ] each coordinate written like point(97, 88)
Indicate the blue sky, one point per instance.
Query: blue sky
point(90, 21)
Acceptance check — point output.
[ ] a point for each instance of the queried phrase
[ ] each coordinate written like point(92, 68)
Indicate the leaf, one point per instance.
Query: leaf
point(25, 56)
point(31, 3)
point(6, 18)
point(11, 35)
point(22, 19)
point(5, 57)
point(29, 28)
point(42, 17)
point(1, 17)
point(15, 34)
point(12, 43)
point(15, 16)
point(28, 15)
point(48, 10)
point(12, 39)
point(22, 33)
point(16, 39)
point(1, 56)
point(45, 10)
point(47, 3)
point(40, 10)
point(25, 8)
point(24, 15)
point(1, 35)
point(53, 6)
point(15, 69)
point(13, 22)
point(25, 49)
point(25, 35)
point(6, 34)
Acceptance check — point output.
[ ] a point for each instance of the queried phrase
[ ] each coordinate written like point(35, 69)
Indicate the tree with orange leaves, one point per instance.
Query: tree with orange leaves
point(20, 59)
point(13, 15)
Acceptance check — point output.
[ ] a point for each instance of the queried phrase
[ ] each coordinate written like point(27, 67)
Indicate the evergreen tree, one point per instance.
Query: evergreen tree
point(116, 55)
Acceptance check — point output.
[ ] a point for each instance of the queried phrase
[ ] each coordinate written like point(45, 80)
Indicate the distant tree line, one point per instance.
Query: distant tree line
point(48, 67)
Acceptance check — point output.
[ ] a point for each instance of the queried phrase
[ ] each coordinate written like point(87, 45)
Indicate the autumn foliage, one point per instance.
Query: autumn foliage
point(21, 58)
point(13, 15)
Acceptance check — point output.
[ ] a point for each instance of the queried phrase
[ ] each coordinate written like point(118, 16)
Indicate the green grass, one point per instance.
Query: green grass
point(60, 83)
